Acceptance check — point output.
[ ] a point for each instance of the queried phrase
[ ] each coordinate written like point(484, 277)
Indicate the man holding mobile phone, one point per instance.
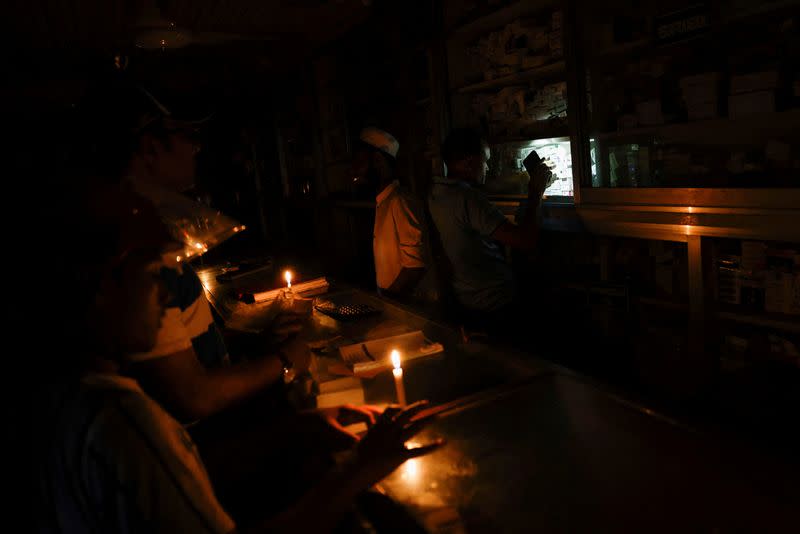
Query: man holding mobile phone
point(472, 229)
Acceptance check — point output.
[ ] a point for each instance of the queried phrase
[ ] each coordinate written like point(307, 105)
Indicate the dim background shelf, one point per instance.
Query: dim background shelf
point(555, 128)
point(491, 18)
point(537, 73)
point(716, 131)
point(779, 321)
point(663, 303)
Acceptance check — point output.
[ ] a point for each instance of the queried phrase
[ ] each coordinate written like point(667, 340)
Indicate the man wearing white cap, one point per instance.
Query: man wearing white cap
point(397, 243)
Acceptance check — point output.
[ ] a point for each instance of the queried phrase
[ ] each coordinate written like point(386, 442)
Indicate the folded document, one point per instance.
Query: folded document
point(373, 356)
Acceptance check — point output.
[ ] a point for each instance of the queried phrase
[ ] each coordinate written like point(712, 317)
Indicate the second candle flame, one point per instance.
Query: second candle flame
point(288, 277)
point(396, 358)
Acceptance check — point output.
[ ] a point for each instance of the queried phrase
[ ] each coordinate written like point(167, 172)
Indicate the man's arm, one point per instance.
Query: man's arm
point(408, 226)
point(189, 391)
point(525, 236)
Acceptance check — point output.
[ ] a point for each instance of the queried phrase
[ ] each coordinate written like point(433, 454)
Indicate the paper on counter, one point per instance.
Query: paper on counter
point(371, 357)
point(317, 286)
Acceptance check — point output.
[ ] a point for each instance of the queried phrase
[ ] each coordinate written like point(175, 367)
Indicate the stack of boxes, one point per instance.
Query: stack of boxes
point(752, 93)
point(700, 94)
point(761, 278)
point(516, 107)
point(521, 45)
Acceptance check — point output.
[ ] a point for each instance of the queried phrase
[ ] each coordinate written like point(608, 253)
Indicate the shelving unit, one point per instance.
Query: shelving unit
point(778, 321)
point(716, 131)
point(525, 76)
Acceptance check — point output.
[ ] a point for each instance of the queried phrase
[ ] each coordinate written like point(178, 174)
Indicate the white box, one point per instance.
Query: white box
point(751, 103)
point(754, 81)
point(702, 110)
point(649, 112)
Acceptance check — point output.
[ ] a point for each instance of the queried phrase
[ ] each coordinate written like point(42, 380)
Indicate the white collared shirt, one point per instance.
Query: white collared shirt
point(397, 238)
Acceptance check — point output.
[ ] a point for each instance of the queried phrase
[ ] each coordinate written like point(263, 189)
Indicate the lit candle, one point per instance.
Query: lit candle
point(288, 276)
point(398, 378)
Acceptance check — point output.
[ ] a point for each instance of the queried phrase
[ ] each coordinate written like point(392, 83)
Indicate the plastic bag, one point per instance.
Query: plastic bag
point(198, 227)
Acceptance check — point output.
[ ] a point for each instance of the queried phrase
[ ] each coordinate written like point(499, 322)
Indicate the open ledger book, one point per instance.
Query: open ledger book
point(370, 357)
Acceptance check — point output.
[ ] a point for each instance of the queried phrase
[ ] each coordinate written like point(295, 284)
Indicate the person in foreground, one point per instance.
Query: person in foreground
point(109, 458)
point(142, 138)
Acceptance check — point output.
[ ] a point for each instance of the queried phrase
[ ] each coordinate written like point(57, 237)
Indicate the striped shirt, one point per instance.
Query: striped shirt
point(187, 322)
point(113, 460)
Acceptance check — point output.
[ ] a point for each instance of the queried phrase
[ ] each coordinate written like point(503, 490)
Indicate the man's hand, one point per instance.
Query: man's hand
point(382, 449)
point(298, 353)
point(337, 418)
point(540, 174)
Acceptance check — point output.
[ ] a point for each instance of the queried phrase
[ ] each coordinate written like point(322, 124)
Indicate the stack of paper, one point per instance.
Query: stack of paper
point(310, 288)
point(374, 356)
point(340, 391)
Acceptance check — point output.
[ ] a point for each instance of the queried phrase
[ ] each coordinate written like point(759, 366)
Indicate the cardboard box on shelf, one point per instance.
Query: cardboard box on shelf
point(531, 62)
point(754, 256)
point(701, 95)
point(649, 112)
point(706, 83)
point(742, 105)
point(778, 292)
point(697, 111)
point(754, 81)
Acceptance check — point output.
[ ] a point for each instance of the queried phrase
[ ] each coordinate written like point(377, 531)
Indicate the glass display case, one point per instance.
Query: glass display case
point(507, 175)
point(693, 95)
point(507, 79)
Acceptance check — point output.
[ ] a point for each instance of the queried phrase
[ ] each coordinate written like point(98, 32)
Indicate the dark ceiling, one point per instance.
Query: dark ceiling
point(111, 24)
point(56, 45)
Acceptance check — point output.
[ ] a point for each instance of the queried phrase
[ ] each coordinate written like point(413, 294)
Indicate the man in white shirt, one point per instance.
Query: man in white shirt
point(398, 245)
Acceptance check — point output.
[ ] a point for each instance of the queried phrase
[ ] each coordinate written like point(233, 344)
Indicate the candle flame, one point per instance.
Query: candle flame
point(396, 358)
point(288, 277)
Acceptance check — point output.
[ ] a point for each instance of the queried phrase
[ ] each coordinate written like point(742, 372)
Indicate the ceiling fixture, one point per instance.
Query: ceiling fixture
point(152, 31)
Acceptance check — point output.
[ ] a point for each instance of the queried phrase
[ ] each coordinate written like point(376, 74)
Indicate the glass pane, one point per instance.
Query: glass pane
point(717, 106)
point(507, 175)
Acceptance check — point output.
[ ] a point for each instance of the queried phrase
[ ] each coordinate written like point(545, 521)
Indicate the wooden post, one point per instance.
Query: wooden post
point(577, 116)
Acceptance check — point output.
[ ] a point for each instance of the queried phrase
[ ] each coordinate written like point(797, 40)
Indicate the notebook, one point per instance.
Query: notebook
point(373, 356)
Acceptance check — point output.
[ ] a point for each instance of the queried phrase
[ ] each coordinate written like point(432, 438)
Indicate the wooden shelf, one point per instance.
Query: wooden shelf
point(554, 128)
point(663, 303)
point(779, 321)
point(760, 9)
point(619, 49)
point(715, 131)
point(488, 18)
point(545, 71)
